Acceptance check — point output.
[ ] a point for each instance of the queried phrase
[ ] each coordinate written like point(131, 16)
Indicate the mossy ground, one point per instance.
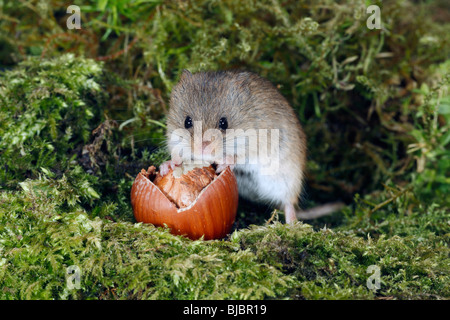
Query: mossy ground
point(82, 112)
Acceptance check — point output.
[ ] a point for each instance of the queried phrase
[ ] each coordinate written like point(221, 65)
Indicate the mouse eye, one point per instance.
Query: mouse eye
point(188, 122)
point(223, 123)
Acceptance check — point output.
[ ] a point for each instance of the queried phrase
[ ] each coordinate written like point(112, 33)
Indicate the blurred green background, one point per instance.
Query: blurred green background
point(83, 110)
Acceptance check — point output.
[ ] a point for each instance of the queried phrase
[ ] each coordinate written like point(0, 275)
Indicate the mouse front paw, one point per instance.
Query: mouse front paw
point(166, 166)
point(222, 167)
point(229, 162)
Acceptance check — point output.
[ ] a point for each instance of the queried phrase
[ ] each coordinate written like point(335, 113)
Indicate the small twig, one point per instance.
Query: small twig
point(272, 217)
point(394, 197)
point(320, 211)
point(69, 36)
point(118, 53)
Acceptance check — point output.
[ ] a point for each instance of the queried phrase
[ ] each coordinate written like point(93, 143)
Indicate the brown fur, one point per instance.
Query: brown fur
point(248, 101)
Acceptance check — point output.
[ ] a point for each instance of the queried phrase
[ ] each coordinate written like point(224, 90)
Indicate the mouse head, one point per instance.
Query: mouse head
point(204, 108)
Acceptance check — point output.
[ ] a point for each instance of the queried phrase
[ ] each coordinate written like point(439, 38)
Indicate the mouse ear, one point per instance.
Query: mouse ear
point(185, 74)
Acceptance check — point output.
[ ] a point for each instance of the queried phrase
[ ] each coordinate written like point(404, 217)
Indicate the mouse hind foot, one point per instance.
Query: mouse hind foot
point(290, 213)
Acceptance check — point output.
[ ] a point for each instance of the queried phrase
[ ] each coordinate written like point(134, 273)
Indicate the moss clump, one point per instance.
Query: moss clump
point(41, 236)
point(47, 110)
point(74, 132)
point(334, 264)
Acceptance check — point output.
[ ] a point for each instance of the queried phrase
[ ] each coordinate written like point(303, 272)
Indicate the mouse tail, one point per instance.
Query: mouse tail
point(319, 211)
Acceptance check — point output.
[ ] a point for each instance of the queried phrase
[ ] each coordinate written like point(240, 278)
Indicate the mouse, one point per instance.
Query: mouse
point(238, 119)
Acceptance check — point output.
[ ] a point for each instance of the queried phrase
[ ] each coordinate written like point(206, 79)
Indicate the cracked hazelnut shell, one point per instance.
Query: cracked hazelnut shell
point(195, 204)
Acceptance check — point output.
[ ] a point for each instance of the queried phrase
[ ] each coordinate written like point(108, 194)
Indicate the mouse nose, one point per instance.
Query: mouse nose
point(208, 151)
point(204, 145)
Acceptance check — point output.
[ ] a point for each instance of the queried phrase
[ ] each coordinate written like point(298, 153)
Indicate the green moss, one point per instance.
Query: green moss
point(39, 240)
point(47, 109)
point(75, 132)
point(334, 265)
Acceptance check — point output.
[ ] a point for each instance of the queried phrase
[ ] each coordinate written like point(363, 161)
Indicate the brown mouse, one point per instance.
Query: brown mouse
point(239, 119)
